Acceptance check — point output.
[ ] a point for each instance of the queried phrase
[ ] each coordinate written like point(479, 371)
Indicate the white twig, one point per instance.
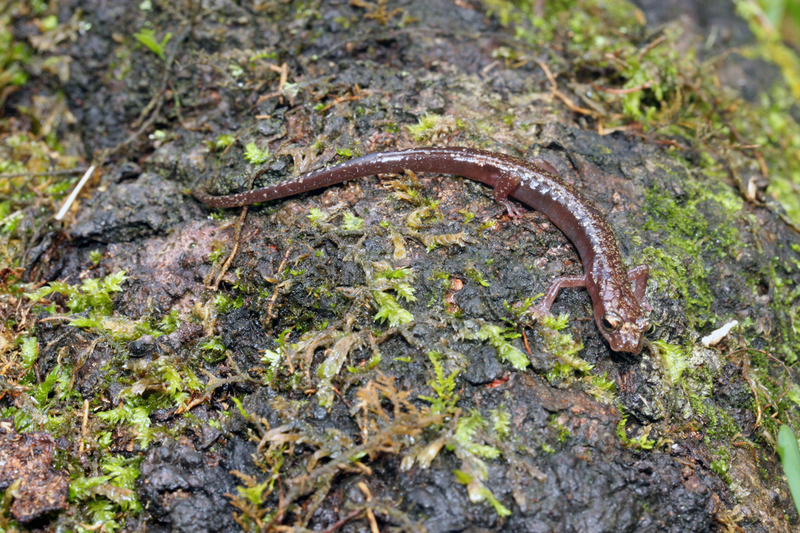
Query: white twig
point(74, 194)
point(715, 337)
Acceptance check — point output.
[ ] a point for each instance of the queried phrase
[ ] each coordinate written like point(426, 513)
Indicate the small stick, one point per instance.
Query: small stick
point(74, 194)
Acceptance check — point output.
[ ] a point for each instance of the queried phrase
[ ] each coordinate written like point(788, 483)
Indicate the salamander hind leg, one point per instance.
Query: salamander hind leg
point(506, 185)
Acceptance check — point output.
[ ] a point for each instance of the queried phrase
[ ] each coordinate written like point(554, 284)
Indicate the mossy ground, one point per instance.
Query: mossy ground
point(373, 337)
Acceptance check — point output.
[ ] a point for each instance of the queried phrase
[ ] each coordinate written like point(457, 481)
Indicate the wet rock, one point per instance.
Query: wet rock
point(484, 366)
point(143, 346)
point(138, 208)
point(186, 491)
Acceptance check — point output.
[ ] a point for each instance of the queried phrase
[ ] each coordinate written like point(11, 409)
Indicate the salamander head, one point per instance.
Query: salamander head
point(623, 328)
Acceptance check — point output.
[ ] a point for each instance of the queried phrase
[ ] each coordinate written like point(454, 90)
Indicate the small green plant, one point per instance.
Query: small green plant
point(430, 127)
point(317, 216)
point(467, 428)
point(352, 222)
point(225, 303)
point(148, 38)
point(272, 358)
point(563, 346)
point(235, 69)
point(721, 467)
point(519, 309)
point(134, 412)
point(477, 276)
point(13, 56)
point(563, 432)
point(93, 296)
point(108, 495)
point(170, 322)
point(389, 309)
point(642, 442)
point(473, 471)
point(790, 458)
point(254, 493)
point(372, 363)
point(499, 338)
point(674, 358)
point(56, 384)
point(443, 385)
point(478, 492)
point(223, 141)
point(30, 351)
point(177, 386)
point(501, 422)
point(395, 273)
point(215, 350)
point(468, 215)
point(255, 155)
point(95, 256)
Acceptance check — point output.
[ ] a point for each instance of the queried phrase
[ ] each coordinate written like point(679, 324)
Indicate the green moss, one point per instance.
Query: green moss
point(695, 231)
point(350, 222)
point(223, 141)
point(466, 431)
point(330, 367)
point(501, 422)
point(642, 442)
point(95, 256)
point(14, 56)
point(477, 276)
point(214, 349)
point(473, 471)
point(255, 155)
point(92, 296)
point(106, 497)
point(563, 346)
point(431, 127)
point(784, 303)
point(500, 339)
point(721, 464)
point(601, 388)
point(367, 366)
point(443, 385)
point(226, 304)
point(91, 306)
point(719, 425)
point(663, 87)
point(29, 351)
point(674, 358)
point(147, 38)
point(390, 310)
point(562, 432)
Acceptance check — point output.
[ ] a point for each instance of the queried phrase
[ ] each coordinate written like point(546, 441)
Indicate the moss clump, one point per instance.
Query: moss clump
point(696, 231)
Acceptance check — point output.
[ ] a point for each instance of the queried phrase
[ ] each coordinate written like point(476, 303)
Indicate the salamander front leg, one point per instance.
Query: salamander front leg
point(543, 307)
point(544, 165)
point(638, 275)
point(506, 185)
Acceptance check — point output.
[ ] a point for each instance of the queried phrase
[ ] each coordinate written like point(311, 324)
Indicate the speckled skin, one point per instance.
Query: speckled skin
point(618, 307)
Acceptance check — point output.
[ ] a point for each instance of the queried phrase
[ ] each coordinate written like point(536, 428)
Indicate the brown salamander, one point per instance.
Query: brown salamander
point(618, 306)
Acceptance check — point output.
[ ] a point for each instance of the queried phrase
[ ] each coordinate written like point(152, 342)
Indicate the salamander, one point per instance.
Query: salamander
point(617, 294)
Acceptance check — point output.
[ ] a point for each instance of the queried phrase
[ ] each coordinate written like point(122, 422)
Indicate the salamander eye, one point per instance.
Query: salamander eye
point(611, 322)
